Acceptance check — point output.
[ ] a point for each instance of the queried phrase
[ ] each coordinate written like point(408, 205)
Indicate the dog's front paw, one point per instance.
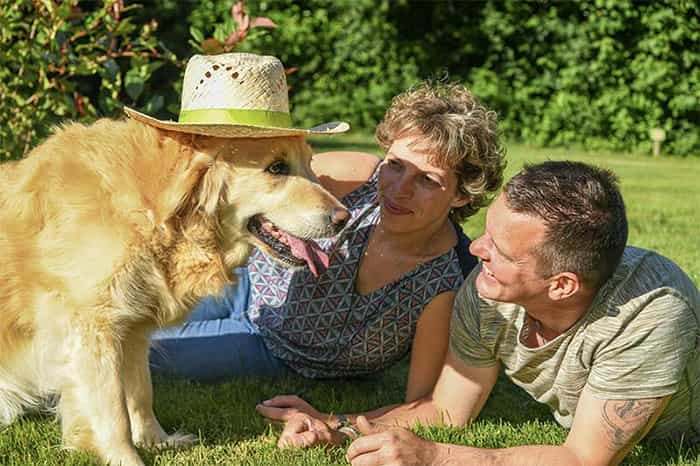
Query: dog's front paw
point(156, 438)
point(176, 441)
point(147, 433)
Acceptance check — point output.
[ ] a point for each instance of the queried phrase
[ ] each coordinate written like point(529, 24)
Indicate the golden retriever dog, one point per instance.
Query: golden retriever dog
point(112, 230)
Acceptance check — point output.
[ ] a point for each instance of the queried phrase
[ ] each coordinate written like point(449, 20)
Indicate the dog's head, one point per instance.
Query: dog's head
point(262, 192)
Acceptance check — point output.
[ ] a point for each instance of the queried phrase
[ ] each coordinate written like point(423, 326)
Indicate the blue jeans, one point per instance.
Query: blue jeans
point(218, 341)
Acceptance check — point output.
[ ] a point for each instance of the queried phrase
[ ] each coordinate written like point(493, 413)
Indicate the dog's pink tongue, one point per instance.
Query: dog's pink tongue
point(310, 252)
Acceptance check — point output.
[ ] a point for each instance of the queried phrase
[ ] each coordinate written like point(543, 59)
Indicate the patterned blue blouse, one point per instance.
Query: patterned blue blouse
point(321, 327)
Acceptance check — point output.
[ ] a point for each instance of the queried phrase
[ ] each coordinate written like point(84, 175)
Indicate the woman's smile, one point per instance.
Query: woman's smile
point(394, 208)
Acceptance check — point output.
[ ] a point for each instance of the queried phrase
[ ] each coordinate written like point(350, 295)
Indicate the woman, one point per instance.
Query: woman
point(393, 271)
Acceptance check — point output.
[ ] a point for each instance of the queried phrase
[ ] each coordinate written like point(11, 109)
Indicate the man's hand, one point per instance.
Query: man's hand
point(304, 431)
point(395, 446)
point(284, 407)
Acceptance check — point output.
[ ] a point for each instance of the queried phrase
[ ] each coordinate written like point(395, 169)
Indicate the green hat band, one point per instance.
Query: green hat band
point(236, 116)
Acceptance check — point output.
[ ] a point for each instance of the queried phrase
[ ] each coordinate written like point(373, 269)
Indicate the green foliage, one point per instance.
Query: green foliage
point(60, 62)
point(348, 57)
point(599, 74)
point(595, 74)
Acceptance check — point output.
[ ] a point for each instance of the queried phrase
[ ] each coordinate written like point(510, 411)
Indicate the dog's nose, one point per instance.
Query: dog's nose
point(339, 217)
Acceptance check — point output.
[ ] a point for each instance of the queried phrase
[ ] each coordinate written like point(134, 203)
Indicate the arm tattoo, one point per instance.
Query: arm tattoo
point(625, 420)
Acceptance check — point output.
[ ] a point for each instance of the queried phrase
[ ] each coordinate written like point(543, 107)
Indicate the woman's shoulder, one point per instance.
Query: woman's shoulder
point(342, 172)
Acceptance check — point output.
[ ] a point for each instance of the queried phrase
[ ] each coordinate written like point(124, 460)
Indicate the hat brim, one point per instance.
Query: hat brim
point(225, 130)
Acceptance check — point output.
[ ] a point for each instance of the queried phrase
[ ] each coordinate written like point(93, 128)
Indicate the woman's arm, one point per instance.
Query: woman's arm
point(429, 346)
point(458, 397)
point(427, 360)
point(342, 172)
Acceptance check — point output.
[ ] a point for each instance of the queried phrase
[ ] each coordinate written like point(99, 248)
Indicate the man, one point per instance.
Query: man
point(605, 335)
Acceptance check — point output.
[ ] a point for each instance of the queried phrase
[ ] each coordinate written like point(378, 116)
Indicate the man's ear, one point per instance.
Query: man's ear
point(563, 286)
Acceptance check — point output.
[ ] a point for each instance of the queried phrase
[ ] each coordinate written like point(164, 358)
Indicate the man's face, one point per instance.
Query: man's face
point(509, 266)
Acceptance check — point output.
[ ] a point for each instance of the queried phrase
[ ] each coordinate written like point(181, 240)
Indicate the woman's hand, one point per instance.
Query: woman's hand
point(284, 407)
point(303, 431)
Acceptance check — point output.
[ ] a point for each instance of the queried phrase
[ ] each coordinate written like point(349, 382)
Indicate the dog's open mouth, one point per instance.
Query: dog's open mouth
point(287, 248)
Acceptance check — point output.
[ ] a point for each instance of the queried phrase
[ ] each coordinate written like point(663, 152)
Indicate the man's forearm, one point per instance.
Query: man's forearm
point(534, 455)
point(457, 398)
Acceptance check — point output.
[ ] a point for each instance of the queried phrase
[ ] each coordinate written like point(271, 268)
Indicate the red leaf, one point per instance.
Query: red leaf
point(262, 22)
point(237, 12)
point(115, 11)
point(78, 99)
point(236, 36)
point(239, 15)
point(290, 70)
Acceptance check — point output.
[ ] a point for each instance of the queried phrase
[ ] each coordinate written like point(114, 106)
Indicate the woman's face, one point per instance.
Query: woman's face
point(413, 193)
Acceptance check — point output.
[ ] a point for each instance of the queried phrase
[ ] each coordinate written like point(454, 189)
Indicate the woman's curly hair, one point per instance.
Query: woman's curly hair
point(461, 133)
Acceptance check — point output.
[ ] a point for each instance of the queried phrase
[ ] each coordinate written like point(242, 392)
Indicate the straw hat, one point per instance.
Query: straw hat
point(235, 95)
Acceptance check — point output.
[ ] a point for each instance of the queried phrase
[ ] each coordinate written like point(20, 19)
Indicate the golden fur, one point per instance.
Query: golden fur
point(110, 231)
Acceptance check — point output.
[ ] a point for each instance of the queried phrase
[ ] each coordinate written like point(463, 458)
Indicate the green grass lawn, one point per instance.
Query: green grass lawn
point(661, 195)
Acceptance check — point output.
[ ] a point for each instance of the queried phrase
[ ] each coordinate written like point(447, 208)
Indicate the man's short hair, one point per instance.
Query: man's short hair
point(583, 210)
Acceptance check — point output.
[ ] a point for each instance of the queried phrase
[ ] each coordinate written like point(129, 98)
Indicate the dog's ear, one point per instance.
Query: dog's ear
point(192, 158)
point(201, 184)
point(212, 189)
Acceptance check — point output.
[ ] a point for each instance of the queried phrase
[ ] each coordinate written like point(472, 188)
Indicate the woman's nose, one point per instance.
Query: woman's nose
point(403, 186)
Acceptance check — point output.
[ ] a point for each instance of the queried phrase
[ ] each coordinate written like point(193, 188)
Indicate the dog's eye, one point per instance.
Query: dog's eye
point(278, 168)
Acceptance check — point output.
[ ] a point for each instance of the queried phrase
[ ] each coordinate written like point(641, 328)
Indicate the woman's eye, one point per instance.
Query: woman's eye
point(278, 168)
point(393, 163)
point(430, 181)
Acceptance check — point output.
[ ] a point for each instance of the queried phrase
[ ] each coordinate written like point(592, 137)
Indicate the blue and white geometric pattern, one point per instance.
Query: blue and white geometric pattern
point(322, 328)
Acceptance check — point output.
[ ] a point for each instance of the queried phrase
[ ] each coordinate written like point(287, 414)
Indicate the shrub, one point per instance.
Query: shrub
point(598, 74)
point(349, 60)
point(60, 61)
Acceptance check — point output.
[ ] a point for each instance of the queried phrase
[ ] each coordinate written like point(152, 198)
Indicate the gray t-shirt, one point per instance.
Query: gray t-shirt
point(638, 339)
